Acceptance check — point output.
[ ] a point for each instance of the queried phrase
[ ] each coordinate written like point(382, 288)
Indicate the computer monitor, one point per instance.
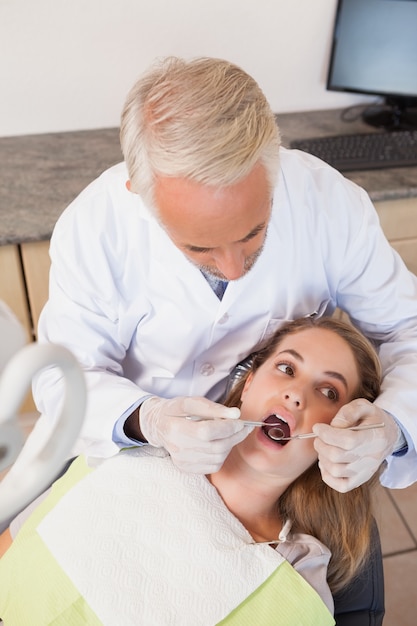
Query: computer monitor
point(374, 51)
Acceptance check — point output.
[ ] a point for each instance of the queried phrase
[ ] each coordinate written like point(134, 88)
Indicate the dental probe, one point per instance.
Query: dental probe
point(196, 418)
point(279, 437)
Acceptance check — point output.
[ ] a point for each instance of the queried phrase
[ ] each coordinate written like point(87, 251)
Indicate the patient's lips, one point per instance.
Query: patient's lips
point(279, 428)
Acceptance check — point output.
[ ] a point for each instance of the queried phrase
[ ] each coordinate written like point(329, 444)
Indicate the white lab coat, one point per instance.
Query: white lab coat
point(143, 320)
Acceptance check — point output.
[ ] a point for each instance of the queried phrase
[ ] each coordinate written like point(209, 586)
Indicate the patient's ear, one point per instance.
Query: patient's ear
point(128, 185)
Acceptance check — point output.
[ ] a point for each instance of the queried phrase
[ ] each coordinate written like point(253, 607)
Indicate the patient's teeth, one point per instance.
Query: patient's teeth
point(280, 418)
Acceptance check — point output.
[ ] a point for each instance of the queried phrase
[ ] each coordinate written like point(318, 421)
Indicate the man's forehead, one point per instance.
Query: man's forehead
point(203, 215)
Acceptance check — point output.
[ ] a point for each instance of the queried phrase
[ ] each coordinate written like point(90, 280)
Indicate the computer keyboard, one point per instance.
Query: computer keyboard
point(364, 151)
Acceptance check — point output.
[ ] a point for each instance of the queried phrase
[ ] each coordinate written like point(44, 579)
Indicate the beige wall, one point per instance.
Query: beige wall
point(68, 64)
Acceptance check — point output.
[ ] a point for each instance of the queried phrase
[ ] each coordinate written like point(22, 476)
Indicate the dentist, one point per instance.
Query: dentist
point(174, 265)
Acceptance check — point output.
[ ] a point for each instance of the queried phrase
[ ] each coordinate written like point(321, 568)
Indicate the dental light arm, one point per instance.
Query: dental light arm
point(22, 487)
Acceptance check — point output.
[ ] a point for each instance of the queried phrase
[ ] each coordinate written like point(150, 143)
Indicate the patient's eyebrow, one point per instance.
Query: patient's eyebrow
point(338, 376)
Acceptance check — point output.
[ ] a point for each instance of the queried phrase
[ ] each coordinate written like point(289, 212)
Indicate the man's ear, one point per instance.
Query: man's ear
point(128, 185)
point(246, 385)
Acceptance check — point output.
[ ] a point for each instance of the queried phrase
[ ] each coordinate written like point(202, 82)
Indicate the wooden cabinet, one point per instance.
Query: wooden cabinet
point(35, 267)
point(12, 286)
point(24, 285)
point(24, 288)
point(399, 221)
point(13, 293)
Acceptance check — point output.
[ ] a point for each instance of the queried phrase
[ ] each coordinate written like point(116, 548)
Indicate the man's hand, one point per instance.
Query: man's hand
point(349, 458)
point(195, 446)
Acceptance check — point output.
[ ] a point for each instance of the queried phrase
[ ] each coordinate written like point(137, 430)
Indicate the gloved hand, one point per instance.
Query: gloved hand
point(348, 458)
point(195, 446)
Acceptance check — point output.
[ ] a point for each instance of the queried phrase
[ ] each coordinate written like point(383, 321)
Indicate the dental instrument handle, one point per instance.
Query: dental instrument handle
point(311, 435)
point(196, 418)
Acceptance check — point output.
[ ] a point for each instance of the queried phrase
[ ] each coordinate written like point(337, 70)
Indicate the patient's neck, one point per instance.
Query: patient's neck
point(251, 496)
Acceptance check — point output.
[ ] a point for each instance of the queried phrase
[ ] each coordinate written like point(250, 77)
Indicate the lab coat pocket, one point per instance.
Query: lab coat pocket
point(319, 309)
point(271, 327)
point(323, 308)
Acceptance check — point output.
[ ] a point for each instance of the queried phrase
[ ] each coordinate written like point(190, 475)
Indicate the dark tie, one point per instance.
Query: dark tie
point(218, 286)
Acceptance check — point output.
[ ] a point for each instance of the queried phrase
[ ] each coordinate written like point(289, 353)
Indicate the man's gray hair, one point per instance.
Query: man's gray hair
point(204, 119)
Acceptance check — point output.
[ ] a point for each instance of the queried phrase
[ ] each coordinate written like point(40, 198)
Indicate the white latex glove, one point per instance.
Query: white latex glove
point(349, 458)
point(198, 447)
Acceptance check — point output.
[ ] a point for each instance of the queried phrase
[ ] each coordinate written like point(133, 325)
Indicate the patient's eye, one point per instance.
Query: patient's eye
point(287, 368)
point(331, 393)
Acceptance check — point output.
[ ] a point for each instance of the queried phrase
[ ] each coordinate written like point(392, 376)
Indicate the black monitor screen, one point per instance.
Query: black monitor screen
point(375, 49)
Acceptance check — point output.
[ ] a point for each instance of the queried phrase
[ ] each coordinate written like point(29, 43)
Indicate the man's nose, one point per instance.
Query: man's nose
point(230, 262)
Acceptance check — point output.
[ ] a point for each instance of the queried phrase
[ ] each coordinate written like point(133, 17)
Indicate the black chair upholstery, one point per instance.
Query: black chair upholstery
point(363, 602)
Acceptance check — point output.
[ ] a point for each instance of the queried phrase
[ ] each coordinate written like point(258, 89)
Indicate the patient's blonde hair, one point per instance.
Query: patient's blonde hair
point(203, 119)
point(342, 521)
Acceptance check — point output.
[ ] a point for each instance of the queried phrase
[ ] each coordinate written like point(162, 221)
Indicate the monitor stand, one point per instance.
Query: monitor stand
point(394, 114)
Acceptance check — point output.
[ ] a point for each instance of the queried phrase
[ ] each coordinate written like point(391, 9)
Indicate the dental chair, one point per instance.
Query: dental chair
point(361, 604)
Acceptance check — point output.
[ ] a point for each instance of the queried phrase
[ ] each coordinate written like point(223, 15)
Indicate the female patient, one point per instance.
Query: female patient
point(262, 537)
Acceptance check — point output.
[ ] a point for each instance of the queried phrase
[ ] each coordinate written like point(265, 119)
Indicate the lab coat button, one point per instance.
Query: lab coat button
point(224, 319)
point(207, 369)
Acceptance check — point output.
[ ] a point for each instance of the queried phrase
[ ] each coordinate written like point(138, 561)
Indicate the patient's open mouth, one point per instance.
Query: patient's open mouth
point(278, 431)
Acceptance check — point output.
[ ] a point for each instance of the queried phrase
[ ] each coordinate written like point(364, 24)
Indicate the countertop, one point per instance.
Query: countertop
point(41, 174)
